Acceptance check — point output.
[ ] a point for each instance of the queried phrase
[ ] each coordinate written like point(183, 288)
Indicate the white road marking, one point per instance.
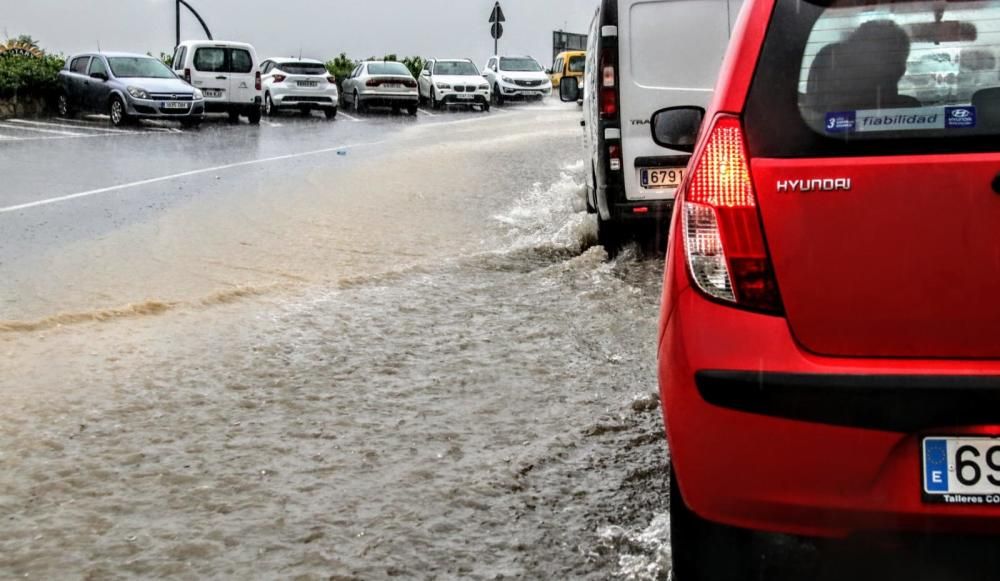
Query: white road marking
point(351, 117)
point(37, 130)
point(67, 126)
point(427, 113)
point(195, 172)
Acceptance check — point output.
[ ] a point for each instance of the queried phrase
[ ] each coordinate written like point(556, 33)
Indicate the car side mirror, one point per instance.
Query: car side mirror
point(678, 127)
point(548, 71)
point(569, 90)
point(425, 73)
point(99, 76)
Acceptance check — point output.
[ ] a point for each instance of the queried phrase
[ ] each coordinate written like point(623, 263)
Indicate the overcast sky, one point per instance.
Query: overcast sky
point(319, 28)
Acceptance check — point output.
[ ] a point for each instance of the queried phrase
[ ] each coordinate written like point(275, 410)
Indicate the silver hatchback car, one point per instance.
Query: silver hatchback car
point(127, 87)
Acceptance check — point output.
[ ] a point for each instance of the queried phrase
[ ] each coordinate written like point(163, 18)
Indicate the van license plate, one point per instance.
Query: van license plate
point(961, 471)
point(654, 178)
point(213, 93)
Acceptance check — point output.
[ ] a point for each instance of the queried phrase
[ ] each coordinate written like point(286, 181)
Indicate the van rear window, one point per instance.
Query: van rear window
point(843, 78)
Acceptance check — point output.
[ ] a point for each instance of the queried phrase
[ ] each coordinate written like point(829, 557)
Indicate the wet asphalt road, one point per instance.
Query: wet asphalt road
point(374, 349)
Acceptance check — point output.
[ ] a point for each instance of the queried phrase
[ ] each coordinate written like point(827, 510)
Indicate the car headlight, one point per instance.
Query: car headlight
point(484, 87)
point(443, 86)
point(138, 93)
point(198, 95)
point(507, 80)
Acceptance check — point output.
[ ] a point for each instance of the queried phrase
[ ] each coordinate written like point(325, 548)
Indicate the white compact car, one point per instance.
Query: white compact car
point(517, 77)
point(302, 84)
point(453, 82)
point(381, 84)
point(226, 72)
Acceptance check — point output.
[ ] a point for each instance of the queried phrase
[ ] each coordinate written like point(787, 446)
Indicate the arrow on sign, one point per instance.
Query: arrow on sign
point(497, 15)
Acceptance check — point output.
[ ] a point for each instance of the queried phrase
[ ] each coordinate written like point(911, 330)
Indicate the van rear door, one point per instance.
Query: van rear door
point(242, 75)
point(210, 72)
point(670, 54)
point(874, 137)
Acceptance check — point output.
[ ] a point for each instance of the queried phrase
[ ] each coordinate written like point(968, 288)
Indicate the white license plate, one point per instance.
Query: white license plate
point(961, 471)
point(174, 105)
point(308, 83)
point(392, 86)
point(213, 93)
point(655, 178)
point(465, 97)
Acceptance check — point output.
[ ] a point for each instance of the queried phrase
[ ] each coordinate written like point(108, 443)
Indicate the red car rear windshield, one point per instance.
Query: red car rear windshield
point(843, 78)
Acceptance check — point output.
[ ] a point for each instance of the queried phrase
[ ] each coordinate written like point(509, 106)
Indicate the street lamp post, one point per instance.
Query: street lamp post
point(201, 20)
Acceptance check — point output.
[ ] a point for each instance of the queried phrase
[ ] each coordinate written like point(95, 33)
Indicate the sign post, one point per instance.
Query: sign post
point(496, 20)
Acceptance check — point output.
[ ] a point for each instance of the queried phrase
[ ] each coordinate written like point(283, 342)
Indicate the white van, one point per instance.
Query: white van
point(227, 73)
point(644, 56)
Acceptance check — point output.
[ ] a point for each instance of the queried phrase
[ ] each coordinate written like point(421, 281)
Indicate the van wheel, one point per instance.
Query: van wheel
point(705, 551)
point(254, 115)
point(65, 109)
point(609, 235)
point(118, 112)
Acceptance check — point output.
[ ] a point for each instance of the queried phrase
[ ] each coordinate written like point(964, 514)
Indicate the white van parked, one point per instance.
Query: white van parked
point(644, 56)
point(227, 73)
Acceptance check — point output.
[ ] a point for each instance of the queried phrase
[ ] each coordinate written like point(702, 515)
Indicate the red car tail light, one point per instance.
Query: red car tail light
point(332, 80)
point(410, 83)
point(257, 83)
point(373, 83)
point(723, 237)
point(279, 78)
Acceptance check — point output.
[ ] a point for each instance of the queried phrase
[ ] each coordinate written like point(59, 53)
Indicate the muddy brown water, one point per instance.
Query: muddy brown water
point(469, 393)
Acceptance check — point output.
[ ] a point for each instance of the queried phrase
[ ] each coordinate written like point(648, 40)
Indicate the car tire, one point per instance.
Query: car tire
point(412, 110)
point(269, 109)
point(705, 551)
point(63, 106)
point(497, 96)
point(359, 107)
point(435, 105)
point(118, 112)
point(609, 235)
point(331, 113)
point(485, 107)
point(254, 115)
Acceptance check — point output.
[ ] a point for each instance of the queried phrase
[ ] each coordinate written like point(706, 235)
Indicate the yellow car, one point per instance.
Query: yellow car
point(568, 64)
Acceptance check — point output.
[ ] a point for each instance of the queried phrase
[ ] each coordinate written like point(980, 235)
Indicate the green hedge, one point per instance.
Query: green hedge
point(32, 77)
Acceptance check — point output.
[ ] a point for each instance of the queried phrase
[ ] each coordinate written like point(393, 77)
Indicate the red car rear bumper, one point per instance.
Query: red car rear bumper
point(791, 461)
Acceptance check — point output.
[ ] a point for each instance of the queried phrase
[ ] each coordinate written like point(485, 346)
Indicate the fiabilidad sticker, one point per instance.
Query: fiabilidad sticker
point(915, 119)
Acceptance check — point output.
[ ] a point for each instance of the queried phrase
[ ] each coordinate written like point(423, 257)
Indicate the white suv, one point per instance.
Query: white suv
point(302, 84)
point(453, 82)
point(226, 72)
point(517, 77)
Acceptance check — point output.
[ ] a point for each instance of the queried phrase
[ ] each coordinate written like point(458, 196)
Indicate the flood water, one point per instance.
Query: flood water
point(467, 392)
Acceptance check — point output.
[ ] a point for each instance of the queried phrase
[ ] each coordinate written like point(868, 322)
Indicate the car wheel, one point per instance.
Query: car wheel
point(65, 109)
point(701, 550)
point(254, 115)
point(435, 105)
point(497, 96)
point(331, 113)
point(359, 107)
point(269, 109)
point(118, 112)
point(412, 110)
point(485, 107)
point(609, 235)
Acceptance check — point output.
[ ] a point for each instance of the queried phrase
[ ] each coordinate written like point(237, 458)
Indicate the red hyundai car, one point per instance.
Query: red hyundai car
point(830, 334)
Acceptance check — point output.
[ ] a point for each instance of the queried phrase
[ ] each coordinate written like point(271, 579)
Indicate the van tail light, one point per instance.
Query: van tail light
point(256, 82)
point(723, 237)
point(609, 84)
point(615, 156)
point(279, 78)
point(187, 76)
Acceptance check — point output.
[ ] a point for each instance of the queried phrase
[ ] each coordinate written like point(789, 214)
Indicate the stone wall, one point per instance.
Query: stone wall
point(22, 107)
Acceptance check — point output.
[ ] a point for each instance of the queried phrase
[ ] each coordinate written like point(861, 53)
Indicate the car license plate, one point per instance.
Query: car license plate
point(308, 83)
point(213, 93)
point(961, 471)
point(392, 86)
point(174, 105)
point(464, 97)
point(654, 178)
